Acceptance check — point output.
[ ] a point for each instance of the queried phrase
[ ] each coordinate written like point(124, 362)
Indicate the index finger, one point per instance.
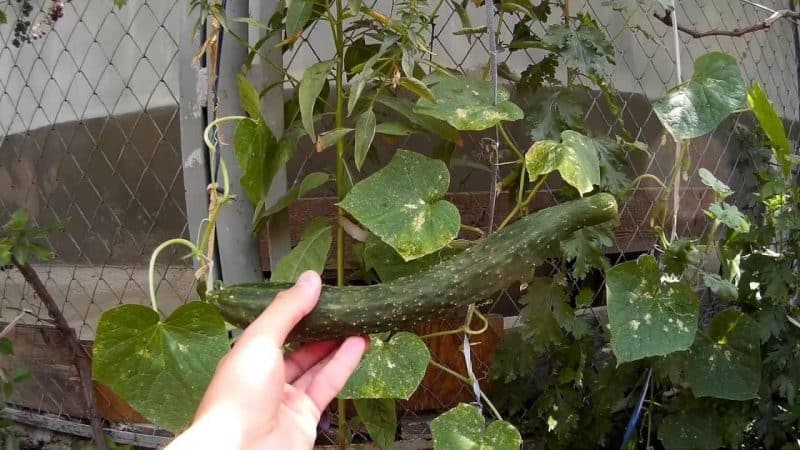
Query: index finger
point(286, 311)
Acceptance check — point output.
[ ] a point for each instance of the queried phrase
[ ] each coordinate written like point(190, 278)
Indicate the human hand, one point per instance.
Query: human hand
point(260, 398)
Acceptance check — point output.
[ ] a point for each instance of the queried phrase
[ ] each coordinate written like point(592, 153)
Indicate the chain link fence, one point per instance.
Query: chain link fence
point(90, 130)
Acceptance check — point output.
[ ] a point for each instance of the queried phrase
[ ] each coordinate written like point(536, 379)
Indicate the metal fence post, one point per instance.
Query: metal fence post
point(193, 153)
point(238, 246)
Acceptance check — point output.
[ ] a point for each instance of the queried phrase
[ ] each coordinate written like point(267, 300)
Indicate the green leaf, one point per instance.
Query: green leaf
point(726, 363)
point(119, 4)
point(772, 125)
point(310, 182)
point(721, 189)
point(6, 346)
point(4, 19)
point(365, 133)
point(585, 47)
point(614, 165)
point(311, 85)
point(297, 14)
point(648, 316)
point(355, 6)
point(380, 417)
point(311, 253)
point(390, 369)
point(248, 96)
point(464, 428)
point(417, 87)
point(575, 158)
point(390, 265)
point(394, 129)
point(252, 143)
point(402, 204)
point(406, 108)
point(5, 252)
point(587, 247)
point(724, 289)
point(160, 368)
point(698, 106)
point(681, 254)
point(328, 138)
point(467, 105)
point(551, 111)
point(730, 216)
point(691, 430)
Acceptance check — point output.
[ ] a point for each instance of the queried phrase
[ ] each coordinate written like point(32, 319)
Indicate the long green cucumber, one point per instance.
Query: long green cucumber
point(493, 264)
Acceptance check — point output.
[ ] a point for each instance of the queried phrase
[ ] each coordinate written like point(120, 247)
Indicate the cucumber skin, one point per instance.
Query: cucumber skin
point(493, 264)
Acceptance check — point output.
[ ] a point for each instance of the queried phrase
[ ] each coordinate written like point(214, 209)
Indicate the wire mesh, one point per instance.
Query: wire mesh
point(90, 128)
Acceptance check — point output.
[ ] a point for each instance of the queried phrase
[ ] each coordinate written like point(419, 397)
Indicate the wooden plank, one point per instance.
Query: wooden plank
point(633, 234)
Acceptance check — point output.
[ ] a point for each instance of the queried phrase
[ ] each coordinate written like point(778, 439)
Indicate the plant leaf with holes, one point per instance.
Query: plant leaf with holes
point(380, 417)
point(575, 158)
point(583, 46)
point(698, 106)
point(162, 368)
point(389, 369)
point(464, 427)
point(772, 125)
point(468, 104)
point(726, 362)
point(314, 79)
point(648, 316)
point(403, 205)
point(311, 253)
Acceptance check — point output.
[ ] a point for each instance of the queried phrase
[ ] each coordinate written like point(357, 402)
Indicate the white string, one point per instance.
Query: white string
point(476, 387)
point(676, 196)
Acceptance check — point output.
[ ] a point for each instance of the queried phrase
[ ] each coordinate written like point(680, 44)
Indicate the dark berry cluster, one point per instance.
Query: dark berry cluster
point(24, 32)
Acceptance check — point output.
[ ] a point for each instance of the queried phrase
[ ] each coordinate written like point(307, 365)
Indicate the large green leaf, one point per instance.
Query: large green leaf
point(730, 216)
point(365, 133)
point(575, 158)
point(255, 148)
point(464, 428)
point(402, 204)
point(548, 112)
point(390, 369)
point(380, 417)
point(467, 104)
point(405, 108)
point(773, 127)
point(390, 265)
point(691, 430)
point(161, 368)
point(699, 105)
point(648, 316)
point(297, 14)
point(311, 253)
point(726, 362)
point(311, 85)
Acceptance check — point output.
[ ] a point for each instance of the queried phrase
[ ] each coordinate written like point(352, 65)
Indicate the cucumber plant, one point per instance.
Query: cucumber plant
point(553, 378)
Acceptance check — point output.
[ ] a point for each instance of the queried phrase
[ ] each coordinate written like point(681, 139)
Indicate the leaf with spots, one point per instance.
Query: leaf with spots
point(468, 104)
point(390, 369)
point(402, 204)
point(464, 428)
point(698, 106)
point(648, 316)
point(161, 368)
point(726, 361)
point(575, 158)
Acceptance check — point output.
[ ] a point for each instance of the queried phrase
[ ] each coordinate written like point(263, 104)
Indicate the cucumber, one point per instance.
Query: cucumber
point(493, 264)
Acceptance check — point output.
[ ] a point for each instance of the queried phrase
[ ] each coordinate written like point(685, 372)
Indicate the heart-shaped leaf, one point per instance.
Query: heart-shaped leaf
point(462, 428)
point(575, 158)
point(402, 204)
point(161, 368)
point(726, 363)
point(468, 104)
point(390, 369)
point(380, 417)
point(699, 105)
point(648, 316)
point(311, 253)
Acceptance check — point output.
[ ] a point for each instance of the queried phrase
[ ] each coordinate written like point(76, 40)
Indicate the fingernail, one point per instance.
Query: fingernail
point(307, 278)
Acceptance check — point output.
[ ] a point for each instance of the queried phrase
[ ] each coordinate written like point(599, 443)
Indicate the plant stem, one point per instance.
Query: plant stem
point(152, 269)
point(468, 381)
point(513, 145)
point(338, 38)
point(524, 204)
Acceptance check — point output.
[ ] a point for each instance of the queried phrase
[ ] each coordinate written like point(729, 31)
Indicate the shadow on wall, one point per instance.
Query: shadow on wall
point(118, 180)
